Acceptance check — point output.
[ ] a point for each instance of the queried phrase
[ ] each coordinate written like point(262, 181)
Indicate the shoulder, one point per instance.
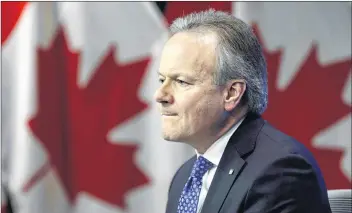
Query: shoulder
point(177, 184)
point(284, 169)
point(182, 172)
point(272, 145)
point(288, 182)
point(275, 144)
point(274, 148)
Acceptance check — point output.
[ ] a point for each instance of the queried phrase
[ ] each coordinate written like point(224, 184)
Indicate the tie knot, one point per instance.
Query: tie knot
point(200, 167)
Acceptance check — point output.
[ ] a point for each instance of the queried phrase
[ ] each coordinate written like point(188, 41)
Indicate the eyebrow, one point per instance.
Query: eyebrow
point(178, 75)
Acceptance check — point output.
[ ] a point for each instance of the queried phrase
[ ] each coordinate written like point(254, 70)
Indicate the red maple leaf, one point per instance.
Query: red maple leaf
point(72, 122)
point(311, 103)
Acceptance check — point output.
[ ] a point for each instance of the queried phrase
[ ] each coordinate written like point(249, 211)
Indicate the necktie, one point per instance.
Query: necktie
point(189, 197)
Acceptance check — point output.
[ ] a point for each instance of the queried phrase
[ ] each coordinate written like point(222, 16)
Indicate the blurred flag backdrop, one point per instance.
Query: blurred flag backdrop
point(80, 129)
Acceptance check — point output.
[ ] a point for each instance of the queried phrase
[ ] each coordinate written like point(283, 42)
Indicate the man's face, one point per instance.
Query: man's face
point(191, 105)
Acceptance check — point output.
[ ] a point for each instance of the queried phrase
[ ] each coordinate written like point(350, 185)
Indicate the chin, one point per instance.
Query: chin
point(168, 137)
point(175, 137)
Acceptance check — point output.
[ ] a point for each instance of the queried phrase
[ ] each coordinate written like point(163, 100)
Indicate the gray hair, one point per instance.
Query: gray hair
point(239, 53)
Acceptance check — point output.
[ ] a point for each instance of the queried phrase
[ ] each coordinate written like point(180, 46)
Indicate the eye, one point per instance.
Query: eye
point(161, 80)
point(183, 83)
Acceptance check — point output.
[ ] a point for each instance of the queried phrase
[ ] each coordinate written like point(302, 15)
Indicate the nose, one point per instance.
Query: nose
point(163, 95)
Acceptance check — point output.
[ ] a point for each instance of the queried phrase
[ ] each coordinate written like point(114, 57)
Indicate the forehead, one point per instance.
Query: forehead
point(190, 53)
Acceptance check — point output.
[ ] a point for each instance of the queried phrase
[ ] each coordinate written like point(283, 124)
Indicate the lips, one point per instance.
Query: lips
point(168, 114)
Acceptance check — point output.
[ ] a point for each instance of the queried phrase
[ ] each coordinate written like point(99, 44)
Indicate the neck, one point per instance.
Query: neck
point(203, 145)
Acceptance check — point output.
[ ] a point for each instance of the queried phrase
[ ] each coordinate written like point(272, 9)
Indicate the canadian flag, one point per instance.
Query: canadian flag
point(308, 52)
point(80, 128)
point(81, 120)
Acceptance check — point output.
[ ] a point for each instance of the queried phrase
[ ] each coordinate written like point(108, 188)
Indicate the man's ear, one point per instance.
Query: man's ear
point(233, 94)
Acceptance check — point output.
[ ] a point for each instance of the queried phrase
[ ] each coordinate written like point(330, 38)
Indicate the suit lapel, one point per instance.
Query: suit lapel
point(222, 183)
point(178, 185)
point(241, 143)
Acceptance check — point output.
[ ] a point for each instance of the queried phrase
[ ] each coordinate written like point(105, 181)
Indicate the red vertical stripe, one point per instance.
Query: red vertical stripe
point(3, 209)
point(10, 13)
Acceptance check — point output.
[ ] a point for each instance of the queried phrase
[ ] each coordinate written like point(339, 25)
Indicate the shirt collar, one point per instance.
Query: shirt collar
point(215, 151)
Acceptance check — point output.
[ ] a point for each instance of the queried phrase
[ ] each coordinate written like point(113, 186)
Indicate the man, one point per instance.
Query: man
point(212, 93)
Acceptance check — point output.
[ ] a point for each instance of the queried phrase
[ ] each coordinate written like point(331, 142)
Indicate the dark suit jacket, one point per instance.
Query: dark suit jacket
point(272, 173)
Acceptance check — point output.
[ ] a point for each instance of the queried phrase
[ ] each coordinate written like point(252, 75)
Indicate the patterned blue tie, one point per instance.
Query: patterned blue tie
point(189, 198)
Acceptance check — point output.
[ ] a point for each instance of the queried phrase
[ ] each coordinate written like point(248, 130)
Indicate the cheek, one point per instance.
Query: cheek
point(203, 108)
point(187, 107)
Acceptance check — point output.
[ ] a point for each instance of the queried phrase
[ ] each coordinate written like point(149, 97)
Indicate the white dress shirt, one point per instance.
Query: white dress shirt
point(214, 154)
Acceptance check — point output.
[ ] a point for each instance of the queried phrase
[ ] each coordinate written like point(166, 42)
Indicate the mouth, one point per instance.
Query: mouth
point(168, 114)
